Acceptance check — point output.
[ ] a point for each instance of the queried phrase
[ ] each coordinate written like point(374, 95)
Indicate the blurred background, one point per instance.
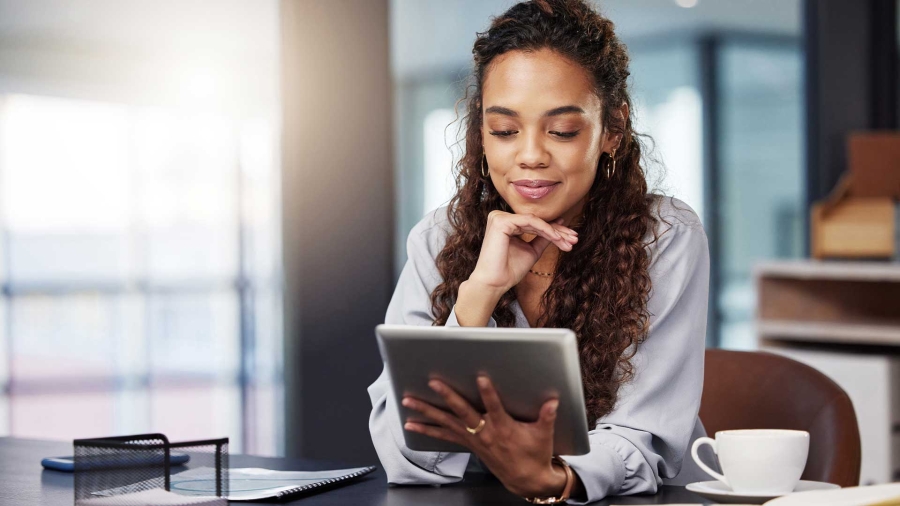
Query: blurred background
point(140, 255)
point(204, 203)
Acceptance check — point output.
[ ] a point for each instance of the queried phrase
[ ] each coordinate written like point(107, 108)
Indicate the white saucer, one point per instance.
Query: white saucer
point(718, 491)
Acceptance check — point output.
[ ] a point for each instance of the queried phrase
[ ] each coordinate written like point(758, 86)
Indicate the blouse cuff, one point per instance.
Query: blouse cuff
point(452, 322)
point(602, 472)
point(614, 466)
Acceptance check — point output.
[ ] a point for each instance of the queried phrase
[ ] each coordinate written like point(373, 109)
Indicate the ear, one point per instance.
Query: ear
point(612, 141)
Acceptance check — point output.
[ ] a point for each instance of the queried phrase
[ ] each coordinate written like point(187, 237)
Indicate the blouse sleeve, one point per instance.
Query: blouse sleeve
point(645, 437)
point(411, 305)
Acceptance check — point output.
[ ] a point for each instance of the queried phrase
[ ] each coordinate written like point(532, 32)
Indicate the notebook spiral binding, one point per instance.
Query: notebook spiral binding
point(324, 484)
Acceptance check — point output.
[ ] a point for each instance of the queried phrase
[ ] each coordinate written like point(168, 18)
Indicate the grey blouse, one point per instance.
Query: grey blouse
point(644, 442)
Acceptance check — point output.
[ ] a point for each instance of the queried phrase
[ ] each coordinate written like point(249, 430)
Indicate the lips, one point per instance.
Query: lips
point(534, 189)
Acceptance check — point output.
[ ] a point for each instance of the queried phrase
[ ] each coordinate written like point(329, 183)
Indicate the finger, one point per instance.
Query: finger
point(564, 230)
point(522, 229)
point(565, 243)
point(557, 233)
point(518, 224)
point(527, 223)
point(567, 231)
point(509, 231)
point(456, 403)
point(435, 432)
point(547, 417)
point(491, 399)
point(433, 413)
point(570, 236)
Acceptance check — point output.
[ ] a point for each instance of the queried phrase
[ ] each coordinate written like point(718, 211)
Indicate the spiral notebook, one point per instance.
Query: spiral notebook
point(244, 484)
point(254, 484)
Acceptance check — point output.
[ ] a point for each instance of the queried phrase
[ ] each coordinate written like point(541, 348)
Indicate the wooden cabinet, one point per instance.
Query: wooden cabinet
point(843, 318)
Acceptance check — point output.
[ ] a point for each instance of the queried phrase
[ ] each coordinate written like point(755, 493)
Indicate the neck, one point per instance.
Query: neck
point(572, 217)
point(547, 262)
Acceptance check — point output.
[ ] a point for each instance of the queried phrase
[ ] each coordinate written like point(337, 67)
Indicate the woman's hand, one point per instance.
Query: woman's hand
point(504, 260)
point(517, 453)
point(505, 257)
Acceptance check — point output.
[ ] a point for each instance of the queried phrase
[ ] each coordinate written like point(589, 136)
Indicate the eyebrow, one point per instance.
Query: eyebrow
point(566, 109)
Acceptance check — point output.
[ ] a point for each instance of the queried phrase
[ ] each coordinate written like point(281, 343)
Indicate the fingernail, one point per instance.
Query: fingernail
point(407, 402)
point(435, 385)
point(407, 426)
point(553, 406)
point(482, 381)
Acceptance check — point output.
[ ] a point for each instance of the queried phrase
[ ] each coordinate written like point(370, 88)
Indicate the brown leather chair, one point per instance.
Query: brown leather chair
point(753, 390)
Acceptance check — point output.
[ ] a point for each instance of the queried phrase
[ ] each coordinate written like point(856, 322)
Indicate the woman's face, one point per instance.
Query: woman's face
point(543, 133)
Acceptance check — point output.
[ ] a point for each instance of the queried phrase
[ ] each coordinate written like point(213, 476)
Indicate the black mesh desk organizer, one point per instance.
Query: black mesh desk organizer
point(126, 464)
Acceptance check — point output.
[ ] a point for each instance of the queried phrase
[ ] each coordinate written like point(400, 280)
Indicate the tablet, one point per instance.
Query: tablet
point(527, 366)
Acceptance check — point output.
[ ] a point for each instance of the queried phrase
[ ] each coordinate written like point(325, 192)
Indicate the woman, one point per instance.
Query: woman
point(552, 226)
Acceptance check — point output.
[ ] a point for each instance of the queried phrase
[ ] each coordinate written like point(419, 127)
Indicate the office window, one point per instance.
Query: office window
point(425, 132)
point(444, 144)
point(761, 186)
point(668, 107)
point(140, 273)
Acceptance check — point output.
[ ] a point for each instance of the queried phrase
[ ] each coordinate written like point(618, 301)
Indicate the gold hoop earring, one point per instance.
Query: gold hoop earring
point(612, 158)
point(483, 172)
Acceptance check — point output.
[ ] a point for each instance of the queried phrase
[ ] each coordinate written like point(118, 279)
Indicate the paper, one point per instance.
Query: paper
point(250, 484)
point(153, 497)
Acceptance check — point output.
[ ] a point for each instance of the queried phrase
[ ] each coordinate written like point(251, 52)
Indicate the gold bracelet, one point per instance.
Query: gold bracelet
point(570, 482)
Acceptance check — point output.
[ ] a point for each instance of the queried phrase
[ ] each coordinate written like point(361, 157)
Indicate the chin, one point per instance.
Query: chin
point(544, 211)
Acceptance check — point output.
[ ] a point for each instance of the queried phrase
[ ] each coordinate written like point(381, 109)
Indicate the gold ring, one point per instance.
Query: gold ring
point(477, 429)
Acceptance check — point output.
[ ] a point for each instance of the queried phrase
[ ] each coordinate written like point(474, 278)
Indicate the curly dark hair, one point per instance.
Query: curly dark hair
point(602, 286)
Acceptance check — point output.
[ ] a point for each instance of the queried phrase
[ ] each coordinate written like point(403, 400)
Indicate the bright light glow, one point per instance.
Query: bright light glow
point(187, 170)
point(441, 154)
point(95, 176)
point(185, 164)
point(687, 4)
point(676, 126)
point(65, 165)
point(199, 87)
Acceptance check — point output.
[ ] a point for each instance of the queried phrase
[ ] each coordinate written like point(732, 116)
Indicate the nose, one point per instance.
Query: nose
point(533, 153)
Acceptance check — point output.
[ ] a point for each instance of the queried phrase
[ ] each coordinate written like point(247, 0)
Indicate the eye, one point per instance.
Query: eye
point(503, 133)
point(565, 135)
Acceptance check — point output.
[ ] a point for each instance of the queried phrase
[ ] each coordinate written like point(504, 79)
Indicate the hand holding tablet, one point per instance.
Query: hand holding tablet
point(524, 368)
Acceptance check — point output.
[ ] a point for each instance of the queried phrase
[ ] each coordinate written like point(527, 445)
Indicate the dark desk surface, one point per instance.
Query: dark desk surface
point(23, 481)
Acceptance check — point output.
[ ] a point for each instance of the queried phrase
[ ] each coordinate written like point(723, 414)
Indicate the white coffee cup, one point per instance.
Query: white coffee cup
point(762, 461)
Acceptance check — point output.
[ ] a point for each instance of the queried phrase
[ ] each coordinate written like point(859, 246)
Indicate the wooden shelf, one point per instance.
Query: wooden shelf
point(830, 270)
point(849, 333)
point(847, 302)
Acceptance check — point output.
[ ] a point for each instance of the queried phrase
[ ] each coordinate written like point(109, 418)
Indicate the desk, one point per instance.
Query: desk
point(24, 482)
